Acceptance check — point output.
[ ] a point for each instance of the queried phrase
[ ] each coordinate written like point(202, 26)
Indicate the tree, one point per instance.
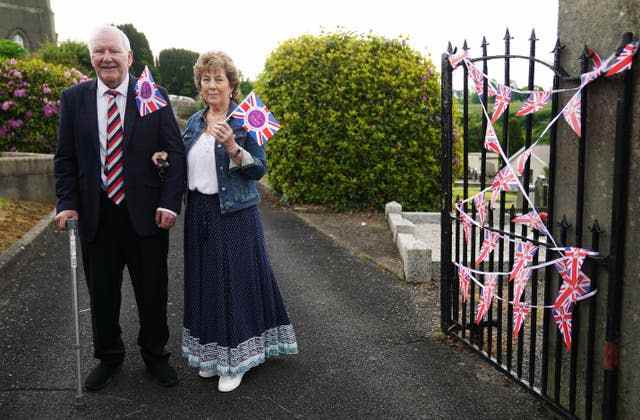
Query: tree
point(175, 70)
point(68, 53)
point(142, 55)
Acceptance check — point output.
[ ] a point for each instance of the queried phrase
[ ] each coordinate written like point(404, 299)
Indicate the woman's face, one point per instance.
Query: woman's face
point(215, 89)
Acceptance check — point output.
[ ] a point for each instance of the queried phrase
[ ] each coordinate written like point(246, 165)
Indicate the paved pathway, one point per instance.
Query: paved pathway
point(361, 355)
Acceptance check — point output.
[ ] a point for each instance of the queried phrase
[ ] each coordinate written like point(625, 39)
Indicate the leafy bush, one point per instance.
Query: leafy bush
point(175, 68)
point(360, 119)
point(10, 49)
point(68, 53)
point(29, 101)
point(142, 55)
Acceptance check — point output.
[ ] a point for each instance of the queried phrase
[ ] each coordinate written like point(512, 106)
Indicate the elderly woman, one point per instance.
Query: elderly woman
point(234, 316)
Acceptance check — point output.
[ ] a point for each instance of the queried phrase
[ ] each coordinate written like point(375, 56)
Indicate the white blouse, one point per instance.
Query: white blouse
point(201, 164)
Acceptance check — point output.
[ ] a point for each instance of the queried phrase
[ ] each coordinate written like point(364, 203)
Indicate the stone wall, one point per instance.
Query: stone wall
point(27, 176)
point(32, 20)
point(600, 25)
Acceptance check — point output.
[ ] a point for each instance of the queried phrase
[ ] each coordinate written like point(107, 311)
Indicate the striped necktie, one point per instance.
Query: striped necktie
point(114, 160)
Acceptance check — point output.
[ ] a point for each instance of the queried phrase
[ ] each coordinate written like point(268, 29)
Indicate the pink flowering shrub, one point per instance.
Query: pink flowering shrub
point(29, 103)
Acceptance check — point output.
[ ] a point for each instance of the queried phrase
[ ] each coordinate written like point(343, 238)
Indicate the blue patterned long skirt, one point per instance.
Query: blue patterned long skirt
point(234, 316)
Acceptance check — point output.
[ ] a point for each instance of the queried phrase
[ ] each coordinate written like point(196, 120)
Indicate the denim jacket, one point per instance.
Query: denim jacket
point(237, 186)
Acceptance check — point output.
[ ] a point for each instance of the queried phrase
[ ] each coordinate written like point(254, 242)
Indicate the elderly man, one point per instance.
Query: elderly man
point(106, 180)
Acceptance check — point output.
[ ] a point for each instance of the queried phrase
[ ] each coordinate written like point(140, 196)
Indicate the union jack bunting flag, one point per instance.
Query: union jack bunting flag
point(505, 180)
point(148, 96)
point(562, 317)
point(520, 284)
point(488, 245)
point(478, 80)
point(465, 219)
point(456, 59)
point(481, 208)
point(491, 142)
point(531, 219)
point(525, 251)
point(571, 113)
point(574, 263)
point(521, 162)
point(256, 118)
point(502, 100)
point(598, 67)
point(535, 102)
point(487, 297)
point(520, 312)
point(569, 294)
point(623, 60)
point(463, 280)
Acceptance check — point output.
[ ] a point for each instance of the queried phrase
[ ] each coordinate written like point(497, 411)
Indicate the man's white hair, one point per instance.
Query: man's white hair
point(109, 28)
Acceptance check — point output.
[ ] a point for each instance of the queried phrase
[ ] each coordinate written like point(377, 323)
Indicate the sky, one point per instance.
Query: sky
point(249, 30)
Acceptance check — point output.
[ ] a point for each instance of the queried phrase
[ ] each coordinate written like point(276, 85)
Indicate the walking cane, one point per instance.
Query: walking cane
point(72, 227)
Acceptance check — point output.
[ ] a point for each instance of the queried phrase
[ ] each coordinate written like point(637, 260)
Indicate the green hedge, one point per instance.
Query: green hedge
point(11, 49)
point(69, 54)
point(360, 119)
point(175, 67)
point(29, 102)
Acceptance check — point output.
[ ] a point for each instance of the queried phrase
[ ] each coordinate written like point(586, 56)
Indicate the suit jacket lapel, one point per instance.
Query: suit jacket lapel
point(131, 113)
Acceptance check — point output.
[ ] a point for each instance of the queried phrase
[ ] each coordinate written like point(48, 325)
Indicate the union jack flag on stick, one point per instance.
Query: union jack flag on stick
point(148, 96)
point(488, 245)
point(491, 142)
point(624, 60)
point(256, 118)
point(525, 251)
point(520, 312)
point(571, 113)
point(535, 102)
point(502, 100)
point(562, 317)
point(463, 280)
point(487, 297)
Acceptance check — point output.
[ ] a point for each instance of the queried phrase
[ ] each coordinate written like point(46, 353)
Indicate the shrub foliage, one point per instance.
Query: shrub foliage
point(29, 103)
point(360, 119)
point(10, 49)
point(142, 55)
point(68, 53)
point(175, 68)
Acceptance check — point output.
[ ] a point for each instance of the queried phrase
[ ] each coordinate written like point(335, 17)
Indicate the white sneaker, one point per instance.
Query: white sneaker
point(207, 373)
point(229, 383)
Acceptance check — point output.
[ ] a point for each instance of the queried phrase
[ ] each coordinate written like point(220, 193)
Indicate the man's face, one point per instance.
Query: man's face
point(109, 58)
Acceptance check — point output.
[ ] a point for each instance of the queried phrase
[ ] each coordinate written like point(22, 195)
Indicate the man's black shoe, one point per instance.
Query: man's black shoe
point(163, 373)
point(100, 376)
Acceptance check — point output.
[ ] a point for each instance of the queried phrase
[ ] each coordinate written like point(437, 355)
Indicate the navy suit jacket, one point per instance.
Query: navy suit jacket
point(77, 163)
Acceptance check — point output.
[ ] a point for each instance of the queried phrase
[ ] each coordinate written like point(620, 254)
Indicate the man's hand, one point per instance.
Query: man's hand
point(62, 217)
point(164, 219)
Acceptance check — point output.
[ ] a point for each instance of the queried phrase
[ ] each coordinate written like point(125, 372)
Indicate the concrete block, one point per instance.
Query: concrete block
point(421, 217)
point(399, 225)
point(416, 258)
point(392, 207)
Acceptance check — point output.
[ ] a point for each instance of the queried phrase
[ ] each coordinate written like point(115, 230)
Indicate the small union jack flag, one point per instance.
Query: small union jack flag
point(520, 284)
point(521, 163)
point(463, 281)
point(456, 59)
point(148, 96)
point(502, 100)
point(465, 219)
point(525, 251)
point(598, 67)
point(535, 102)
point(571, 113)
point(520, 312)
point(487, 297)
point(488, 245)
point(569, 294)
point(478, 80)
point(491, 142)
point(481, 208)
point(531, 219)
point(562, 317)
point(574, 263)
point(505, 180)
point(624, 60)
point(256, 118)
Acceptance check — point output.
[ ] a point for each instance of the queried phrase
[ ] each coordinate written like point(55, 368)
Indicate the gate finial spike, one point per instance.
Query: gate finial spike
point(564, 223)
point(449, 48)
point(533, 35)
point(484, 42)
point(596, 227)
point(465, 46)
point(557, 47)
point(507, 36)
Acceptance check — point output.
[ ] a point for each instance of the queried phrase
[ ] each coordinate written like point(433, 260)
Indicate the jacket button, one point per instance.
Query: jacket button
point(219, 146)
point(223, 189)
point(221, 168)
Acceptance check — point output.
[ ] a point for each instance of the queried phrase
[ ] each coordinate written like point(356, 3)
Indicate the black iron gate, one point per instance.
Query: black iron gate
point(536, 359)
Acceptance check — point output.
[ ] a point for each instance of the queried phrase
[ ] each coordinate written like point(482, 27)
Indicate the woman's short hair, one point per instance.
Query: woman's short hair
point(217, 60)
